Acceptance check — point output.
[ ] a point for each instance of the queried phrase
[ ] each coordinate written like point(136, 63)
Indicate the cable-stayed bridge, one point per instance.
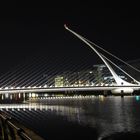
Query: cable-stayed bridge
point(39, 77)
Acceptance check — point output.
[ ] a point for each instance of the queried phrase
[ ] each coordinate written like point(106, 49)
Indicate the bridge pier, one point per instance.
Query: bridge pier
point(105, 93)
point(122, 93)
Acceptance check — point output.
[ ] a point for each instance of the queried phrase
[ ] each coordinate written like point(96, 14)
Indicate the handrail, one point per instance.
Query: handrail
point(9, 131)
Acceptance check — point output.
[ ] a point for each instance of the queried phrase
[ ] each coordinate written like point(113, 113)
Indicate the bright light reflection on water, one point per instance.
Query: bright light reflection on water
point(137, 98)
point(107, 115)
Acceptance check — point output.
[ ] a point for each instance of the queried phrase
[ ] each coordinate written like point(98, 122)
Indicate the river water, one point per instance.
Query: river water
point(89, 118)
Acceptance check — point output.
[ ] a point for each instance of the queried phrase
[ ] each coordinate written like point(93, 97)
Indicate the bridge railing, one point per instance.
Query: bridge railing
point(9, 131)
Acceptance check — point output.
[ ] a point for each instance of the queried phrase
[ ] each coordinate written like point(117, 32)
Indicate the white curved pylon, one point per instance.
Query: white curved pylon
point(118, 80)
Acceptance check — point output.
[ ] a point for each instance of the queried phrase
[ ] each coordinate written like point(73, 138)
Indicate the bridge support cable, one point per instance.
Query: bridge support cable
point(111, 54)
point(22, 72)
point(39, 81)
point(37, 74)
point(10, 75)
point(19, 69)
point(14, 70)
point(102, 81)
point(118, 80)
point(121, 69)
point(117, 59)
point(23, 75)
point(66, 64)
point(26, 77)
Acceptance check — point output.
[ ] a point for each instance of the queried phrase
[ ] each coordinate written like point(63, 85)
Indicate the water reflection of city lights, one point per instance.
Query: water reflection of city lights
point(11, 97)
point(101, 97)
point(137, 98)
point(6, 95)
point(19, 95)
point(2, 97)
point(30, 94)
point(33, 95)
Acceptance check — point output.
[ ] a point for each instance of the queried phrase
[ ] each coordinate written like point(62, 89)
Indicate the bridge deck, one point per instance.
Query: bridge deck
point(63, 89)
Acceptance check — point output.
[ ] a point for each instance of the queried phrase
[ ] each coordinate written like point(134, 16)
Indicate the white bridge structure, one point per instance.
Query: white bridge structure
point(120, 87)
point(119, 82)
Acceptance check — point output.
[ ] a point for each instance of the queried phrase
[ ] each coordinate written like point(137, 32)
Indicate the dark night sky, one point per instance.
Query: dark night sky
point(38, 30)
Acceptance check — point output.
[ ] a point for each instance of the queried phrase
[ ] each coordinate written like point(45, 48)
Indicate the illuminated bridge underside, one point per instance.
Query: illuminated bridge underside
point(65, 89)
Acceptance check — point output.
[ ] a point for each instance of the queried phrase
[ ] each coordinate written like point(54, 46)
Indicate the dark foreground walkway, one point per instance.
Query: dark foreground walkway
point(12, 130)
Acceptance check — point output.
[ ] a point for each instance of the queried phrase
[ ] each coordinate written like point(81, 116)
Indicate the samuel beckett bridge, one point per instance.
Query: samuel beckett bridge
point(40, 77)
